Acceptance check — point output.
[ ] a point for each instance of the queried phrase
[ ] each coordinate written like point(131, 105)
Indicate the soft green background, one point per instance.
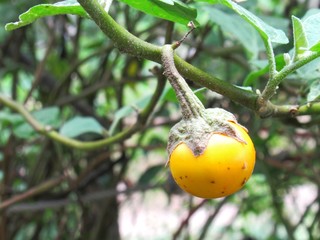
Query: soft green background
point(86, 89)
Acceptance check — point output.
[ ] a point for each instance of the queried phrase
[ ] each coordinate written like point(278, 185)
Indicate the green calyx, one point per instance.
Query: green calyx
point(197, 124)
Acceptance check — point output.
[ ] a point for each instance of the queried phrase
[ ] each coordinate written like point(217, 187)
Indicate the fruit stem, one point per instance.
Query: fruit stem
point(191, 106)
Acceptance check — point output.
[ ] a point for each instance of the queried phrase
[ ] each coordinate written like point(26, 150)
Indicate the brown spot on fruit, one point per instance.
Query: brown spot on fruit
point(216, 162)
point(244, 166)
point(244, 181)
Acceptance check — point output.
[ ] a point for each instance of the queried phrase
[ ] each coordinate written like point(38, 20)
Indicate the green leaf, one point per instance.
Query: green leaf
point(310, 71)
point(172, 10)
point(127, 111)
point(233, 25)
point(44, 10)
point(151, 175)
point(311, 25)
point(314, 92)
point(10, 118)
point(300, 39)
point(81, 125)
point(169, 94)
point(265, 30)
point(47, 117)
point(316, 47)
point(263, 69)
point(254, 75)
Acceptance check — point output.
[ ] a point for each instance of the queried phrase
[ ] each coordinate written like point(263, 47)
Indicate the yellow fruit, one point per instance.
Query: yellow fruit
point(223, 168)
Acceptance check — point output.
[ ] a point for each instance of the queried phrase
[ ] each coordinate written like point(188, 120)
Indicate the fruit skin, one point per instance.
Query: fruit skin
point(222, 169)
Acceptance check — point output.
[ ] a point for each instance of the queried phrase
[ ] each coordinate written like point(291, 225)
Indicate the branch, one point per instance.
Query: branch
point(276, 79)
point(271, 58)
point(48, 132)
point(90, 145)
point(130, 44)
point(211, 217)
point(86, 198)
point(186, 221)
point(278, 206)
point(268, 109)
point(43, 187)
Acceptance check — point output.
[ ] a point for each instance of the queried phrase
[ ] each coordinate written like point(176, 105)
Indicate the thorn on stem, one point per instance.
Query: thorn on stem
point(293, 111)
point(178, 43)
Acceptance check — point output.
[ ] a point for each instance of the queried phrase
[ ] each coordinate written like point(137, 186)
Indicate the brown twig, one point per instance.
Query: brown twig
point(187, 219)
point(43, 187)
point(39, 69)
point(211, 218)
point(87, 198)
point(178, 43)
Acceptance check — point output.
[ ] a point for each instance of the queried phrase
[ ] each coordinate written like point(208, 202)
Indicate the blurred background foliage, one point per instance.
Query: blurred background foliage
point(70, 76)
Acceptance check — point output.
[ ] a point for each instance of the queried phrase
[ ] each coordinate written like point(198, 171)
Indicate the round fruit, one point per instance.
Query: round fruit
point(222, 169)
